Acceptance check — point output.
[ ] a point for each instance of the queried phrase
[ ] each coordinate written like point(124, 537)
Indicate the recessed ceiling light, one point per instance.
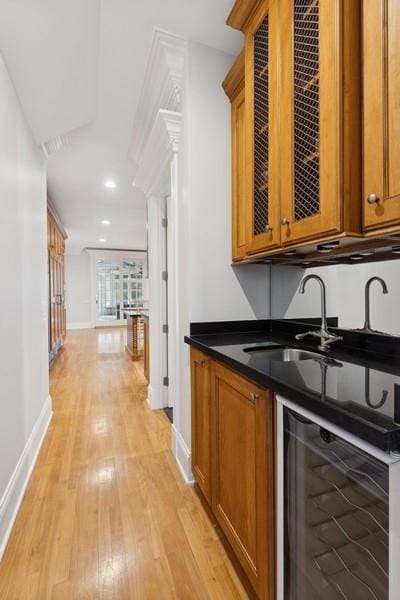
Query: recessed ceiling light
point(102, 240)
point(110, 183)
point(105, 222)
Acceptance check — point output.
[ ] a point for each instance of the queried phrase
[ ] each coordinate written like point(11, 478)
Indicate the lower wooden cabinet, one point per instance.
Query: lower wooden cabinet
point(201, 421)
point(233, 463)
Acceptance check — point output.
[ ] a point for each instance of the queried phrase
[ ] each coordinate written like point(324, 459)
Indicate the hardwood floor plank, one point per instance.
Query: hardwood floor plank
point(106, 515)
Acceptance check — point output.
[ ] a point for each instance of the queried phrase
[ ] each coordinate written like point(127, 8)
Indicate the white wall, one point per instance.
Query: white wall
point(77, 290)
point(209, 288)
point(24, 393)
point(345, 286)
point(287, 303)
point(217, 291)
point(385, 313)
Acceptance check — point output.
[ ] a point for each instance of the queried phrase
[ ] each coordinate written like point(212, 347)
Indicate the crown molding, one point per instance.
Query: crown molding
point(162, 87)
point(153, 175)
point(235, 77)
point(241, 12)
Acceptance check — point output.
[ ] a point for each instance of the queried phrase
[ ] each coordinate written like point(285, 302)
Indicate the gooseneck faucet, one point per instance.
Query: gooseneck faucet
point(326, 338)
point(367, 324)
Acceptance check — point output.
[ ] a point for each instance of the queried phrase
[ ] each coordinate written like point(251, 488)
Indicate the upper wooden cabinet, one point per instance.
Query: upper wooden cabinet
point(381, 121)
point(320, 133)
point(262, 120)
point(322, 130)
point(234, 88)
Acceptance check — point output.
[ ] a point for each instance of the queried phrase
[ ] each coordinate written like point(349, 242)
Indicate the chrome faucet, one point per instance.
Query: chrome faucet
point(326, 338)
point(367, 324)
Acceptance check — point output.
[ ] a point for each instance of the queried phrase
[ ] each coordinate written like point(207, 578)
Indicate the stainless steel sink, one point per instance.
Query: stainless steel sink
point(284, 354)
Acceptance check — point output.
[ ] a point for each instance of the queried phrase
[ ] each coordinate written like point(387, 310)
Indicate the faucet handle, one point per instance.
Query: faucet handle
point(301, 336)
point(328, 339)
point(333, 338)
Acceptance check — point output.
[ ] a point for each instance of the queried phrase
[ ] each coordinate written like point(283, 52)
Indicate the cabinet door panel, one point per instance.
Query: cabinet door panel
point(243, 483)
point(310, 123)
point(261, 82)
point(238, 176)
point(201, 427)
point(381, 46)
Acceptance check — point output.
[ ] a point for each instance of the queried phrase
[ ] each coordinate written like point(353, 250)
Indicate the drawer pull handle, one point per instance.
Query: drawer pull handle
point(285, 222)
point(373, 199)
point(254, 397)
point(268, 228)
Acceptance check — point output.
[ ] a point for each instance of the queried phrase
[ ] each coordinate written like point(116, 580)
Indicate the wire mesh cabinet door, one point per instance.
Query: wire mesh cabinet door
point(262, 123)
point(315, 59)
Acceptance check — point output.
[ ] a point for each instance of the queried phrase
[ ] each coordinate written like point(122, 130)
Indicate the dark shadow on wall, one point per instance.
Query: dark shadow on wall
point(285, 282)
point(255, 283)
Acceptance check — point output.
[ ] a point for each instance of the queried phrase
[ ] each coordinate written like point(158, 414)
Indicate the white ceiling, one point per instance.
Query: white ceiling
point(75, 61)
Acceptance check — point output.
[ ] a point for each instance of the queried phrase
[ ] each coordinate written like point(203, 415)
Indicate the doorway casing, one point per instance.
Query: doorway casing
point(155, 149)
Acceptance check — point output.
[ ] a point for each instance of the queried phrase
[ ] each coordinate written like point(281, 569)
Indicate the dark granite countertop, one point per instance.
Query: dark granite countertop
point(356, 387)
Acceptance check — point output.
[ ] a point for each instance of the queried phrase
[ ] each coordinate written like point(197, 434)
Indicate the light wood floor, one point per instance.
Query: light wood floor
point(106, 514)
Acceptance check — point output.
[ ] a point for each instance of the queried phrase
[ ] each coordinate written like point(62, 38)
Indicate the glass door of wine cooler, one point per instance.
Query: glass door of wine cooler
point(335, 516)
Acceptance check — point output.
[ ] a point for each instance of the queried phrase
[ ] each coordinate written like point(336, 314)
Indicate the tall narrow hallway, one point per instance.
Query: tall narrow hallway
point(106, 513)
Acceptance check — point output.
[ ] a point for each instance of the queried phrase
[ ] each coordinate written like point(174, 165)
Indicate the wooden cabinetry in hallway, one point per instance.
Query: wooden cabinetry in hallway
point(57, 314)
point(146, 344)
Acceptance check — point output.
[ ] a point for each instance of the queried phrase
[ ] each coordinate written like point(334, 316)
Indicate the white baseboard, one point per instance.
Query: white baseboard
point(14, 493)
point(182, 455)
point(79, 326)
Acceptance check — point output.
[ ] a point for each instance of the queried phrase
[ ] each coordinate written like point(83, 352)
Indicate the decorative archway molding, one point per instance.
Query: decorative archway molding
point(153, 176)
point(155, 149)
point(162, 88)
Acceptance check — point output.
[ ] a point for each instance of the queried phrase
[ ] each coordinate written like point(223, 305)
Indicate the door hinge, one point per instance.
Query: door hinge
point(164, 223)
point(165, 329)
point(165, 275)
point(166, 381)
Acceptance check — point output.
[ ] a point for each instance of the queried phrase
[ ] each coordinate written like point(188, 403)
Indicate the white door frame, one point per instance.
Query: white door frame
point(155, 149)
point(157, 177)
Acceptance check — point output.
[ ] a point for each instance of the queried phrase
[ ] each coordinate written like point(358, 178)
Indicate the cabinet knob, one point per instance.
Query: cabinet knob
point(285, 221)
point(254, 397)
point(268, 228)
point(373, 199)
